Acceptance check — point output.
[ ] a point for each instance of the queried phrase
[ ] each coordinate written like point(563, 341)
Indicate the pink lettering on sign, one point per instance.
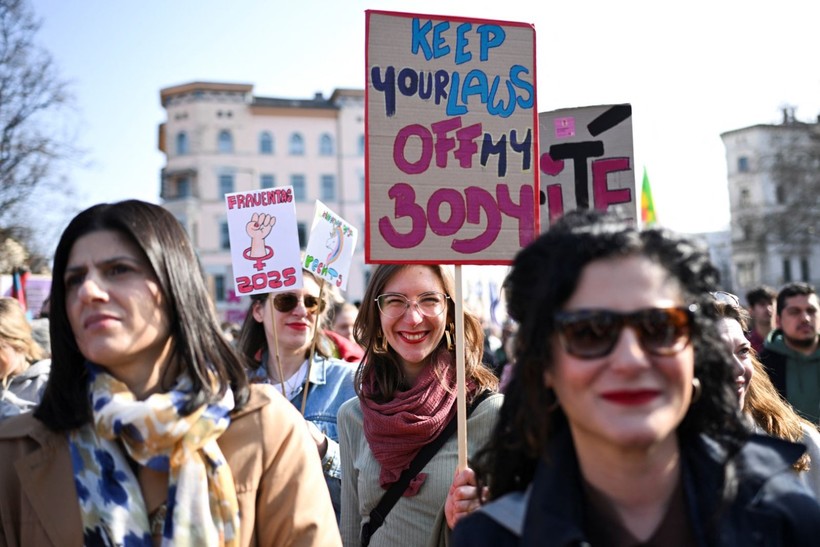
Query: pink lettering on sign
point(564, 127)
point(477, 206)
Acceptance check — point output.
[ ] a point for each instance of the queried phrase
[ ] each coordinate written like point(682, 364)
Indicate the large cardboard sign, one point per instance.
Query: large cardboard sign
point(452, 139)
point(264, 240)
point(587, 161)
point(330, 246)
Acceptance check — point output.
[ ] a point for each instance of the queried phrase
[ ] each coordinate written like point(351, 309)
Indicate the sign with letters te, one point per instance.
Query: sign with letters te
point(451, 139)
point(587, 161)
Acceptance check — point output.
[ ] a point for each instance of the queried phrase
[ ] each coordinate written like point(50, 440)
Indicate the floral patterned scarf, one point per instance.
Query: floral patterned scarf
point(202, 508)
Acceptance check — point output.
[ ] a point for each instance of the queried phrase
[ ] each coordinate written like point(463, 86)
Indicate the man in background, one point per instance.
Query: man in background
point(791, 353)
point(761, 302)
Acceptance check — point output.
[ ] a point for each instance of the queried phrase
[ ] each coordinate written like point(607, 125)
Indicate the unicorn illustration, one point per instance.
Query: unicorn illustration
point(335, 244)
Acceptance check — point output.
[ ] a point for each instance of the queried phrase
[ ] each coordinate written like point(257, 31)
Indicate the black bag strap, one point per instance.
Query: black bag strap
point(424, 455)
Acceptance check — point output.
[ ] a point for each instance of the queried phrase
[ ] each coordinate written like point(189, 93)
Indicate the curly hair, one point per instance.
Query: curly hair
point(15, 330)
point(385, 367)
point(544, 276)
point(198, 345)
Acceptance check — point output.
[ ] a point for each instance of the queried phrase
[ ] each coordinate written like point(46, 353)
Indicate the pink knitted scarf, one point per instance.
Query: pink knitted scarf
point(398, 429)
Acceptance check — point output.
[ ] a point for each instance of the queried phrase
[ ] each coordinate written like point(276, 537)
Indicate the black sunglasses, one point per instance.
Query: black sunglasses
point(285, 302)
point(590, 334)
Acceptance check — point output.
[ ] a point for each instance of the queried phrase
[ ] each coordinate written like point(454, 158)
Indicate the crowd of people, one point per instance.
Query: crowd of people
point(629, 401)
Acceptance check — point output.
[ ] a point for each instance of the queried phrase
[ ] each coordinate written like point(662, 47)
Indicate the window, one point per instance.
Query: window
point(265, 142)
point(804, 269)
point(182, 143)
point(780, 194)
point(301, 228)
point(743, 164)
point(224, 142)
point(225, 184)
point(328, 188)
point(745, 200)
point(266, 181)
point(746, 274)
point(219, 288)
point(299, 188)
point(326, 145)
point(787, 270)
point(361, 145)
point(297, 145)
point(183, 187)
point(224, 236)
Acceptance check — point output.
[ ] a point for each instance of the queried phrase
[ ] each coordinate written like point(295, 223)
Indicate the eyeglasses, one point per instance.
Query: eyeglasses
point(429, 304)
point(285, 302)
point(590, 334)
point(726, 298)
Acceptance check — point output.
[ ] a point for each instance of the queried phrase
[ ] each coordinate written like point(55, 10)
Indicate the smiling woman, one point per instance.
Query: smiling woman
point(406, 388)
point(148, 431)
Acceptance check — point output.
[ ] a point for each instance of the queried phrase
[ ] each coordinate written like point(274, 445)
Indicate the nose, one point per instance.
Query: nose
point(737, 366)
point(413, 311)
point(628, 356)
point(91, 290)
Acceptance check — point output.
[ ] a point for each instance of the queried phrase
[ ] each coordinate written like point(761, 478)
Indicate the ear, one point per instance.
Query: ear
point(258, 310)
point(548, 379)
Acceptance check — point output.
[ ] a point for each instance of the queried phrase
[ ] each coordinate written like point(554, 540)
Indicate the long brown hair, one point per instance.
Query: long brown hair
point(769, 410)
point(385, 367)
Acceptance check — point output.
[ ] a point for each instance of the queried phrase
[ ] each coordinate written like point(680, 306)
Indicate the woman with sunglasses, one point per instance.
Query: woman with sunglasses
point(620, 424)
point(406, 387)
point(295, 317)
point(759, 400)
point(148, 432)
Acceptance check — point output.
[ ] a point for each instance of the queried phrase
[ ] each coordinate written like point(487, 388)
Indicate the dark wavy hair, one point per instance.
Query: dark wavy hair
point(198, 345)
point(252, 334)
point(385, 367)
point(544, 276)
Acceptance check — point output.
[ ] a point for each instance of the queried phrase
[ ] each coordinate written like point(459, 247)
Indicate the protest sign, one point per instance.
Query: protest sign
point(330, 246)
point(587, 161)
point(452, 139)
point(264, 240)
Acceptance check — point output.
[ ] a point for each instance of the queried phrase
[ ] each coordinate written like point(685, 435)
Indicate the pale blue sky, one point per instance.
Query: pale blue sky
point(690, 70)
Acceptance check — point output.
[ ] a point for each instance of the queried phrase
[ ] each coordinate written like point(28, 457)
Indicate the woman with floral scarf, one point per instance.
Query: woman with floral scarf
point(406, 388)
point(148, 432)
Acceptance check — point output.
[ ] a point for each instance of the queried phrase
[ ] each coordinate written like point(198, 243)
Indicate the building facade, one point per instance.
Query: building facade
point(219, 138)
point(774, 184)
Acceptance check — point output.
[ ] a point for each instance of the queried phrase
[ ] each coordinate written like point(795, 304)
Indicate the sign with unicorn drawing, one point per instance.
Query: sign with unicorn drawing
point(330, 246)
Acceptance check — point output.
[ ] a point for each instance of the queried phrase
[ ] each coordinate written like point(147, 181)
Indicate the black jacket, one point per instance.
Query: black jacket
point(772, 507)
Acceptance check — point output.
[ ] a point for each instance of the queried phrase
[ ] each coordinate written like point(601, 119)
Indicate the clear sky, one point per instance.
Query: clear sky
point(691, 70)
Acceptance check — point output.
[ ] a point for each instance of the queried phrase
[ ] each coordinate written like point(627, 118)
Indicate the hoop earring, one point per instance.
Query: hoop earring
point(450, 335)
point(380, 347)
point(696, 390)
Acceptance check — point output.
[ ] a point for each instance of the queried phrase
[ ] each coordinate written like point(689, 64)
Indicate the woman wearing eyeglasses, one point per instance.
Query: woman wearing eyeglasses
point(406, 388)
point(758, 398)
point(620, 425)
point(329, 381)
point(148, 432)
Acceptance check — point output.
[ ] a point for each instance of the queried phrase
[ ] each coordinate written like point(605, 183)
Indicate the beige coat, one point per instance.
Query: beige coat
point(282, 495)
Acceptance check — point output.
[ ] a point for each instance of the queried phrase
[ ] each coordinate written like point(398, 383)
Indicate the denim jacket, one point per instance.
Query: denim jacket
point(331, 384)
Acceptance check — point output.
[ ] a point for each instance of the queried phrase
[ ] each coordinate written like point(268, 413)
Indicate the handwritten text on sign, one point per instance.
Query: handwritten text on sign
point(452, 129)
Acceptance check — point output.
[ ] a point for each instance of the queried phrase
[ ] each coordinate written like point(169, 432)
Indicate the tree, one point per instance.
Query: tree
point(33, 100)
point(794, 222)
